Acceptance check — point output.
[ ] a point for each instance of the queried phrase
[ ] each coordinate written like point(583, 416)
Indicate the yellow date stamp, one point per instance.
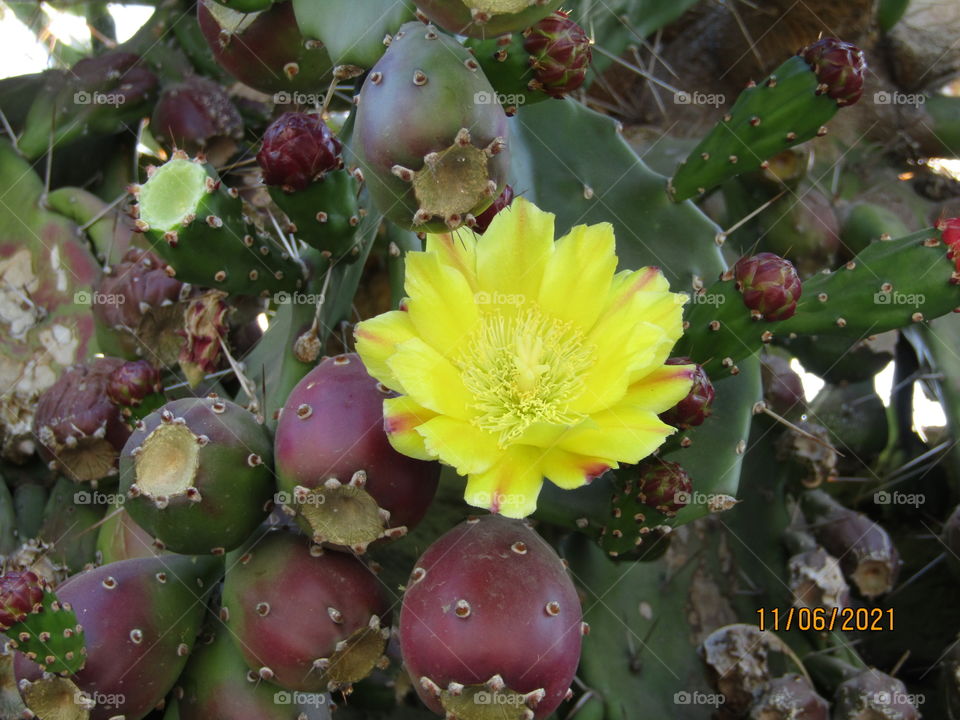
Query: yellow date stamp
point(846, 619)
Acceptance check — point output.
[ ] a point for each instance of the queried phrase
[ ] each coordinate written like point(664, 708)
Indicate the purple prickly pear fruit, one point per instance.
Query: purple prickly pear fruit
point(486, 217)
point(297, 149)
point(205, 326)
point(697, 406)
point(335, 466)
point(509, 617)
point(218, 684)
point(264, 50)
point(195, 113)
point(790, 697)
point(431, 133)
point(140, 619)
point(82, 432)
point(142, 307)
point(769, 285)
point(840, 68)
point(20, 593)
point(304, 619)
point(664, 486)
point(486, 18)
point(197, 474)
point(132, 383)
point(120, 538)
point(559, 54)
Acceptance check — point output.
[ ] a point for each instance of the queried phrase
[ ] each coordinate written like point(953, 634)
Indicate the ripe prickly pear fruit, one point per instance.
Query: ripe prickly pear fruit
point(197, 225)
point(140, 619)
point(39, 626)
point(664, 486)
point(135, 386)
point(143, 311)
point(297, 149)
point(195, 113)
point(559, 54)
point(697, 406)
point(950, 232)
point(508, 615)
point(840, 68)
point(264, 49)
point(218, 684)
point(486, 18)
point(486, 217)
point(769, 285)
point(431, 132)
point(790, 697)
point(82, 432)
point(120, 538)
point(197, 474)
point(335, 466)
point(304, 619)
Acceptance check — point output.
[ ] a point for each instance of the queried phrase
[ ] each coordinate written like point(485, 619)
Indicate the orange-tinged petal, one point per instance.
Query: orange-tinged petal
point(460, 444)
point(569, 470)
point(624, 433)
point(579, 272)
point(511, 486)
point(430, 379)
point(401, 418)
point(377, 339)
point(661, 389)
point(441, 303)
point(457, 250)
point(512, 254)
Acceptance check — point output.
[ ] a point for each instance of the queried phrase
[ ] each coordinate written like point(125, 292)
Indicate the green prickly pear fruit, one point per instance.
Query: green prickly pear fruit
point(140, 619)
point(70, 517)
point(866, 223)
point(197, 474)
point(265, 49)
point(82, 432)
point(559, 52)
point(507, 66)
point(805, 232)
point(197, 225)
point(664, 486)
point(304, 619)
point(120, 538)
point(194, 114)
point(769, 285)
point(352, 33)
point(486, 18)
point(430, 133)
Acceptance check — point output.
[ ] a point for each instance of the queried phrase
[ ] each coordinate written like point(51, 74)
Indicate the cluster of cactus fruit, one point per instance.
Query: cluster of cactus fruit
point(210, 508)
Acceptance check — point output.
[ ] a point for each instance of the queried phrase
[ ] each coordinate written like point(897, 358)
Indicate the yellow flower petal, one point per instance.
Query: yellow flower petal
point(457, 250)
point(441, 303)
point(430, 379)
point(579, 271)
point(377, 339)
point(623, 433)
point(513, 252)
point(401, 418)
point(661, 389)
point(569, 470)
point(511, 486)
point(460, 444)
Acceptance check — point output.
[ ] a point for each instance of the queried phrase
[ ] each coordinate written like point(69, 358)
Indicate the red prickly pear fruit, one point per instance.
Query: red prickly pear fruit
point(486, 217)
point(264, 50)
point(195, 113)
point(697, 406)
point(559, 54)
point(664, 485)
point(430, 132)
point(950, 232)
point(509, 618)
point(297, 149)
point(82, 432)
point(20, 593)
point(485, 18)
point(131, 383)
point(217, 684)
point(840, 68)
point(197, 474)
point(769, 285)
point(304, 619)
point(335, 466)
point(140, 619)
point(141, 308)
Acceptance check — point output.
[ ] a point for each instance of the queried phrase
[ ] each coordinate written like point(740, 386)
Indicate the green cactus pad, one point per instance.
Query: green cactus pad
point(50, 637)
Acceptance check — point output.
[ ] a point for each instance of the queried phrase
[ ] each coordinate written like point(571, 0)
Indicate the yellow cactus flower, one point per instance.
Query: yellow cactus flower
point(517, 358)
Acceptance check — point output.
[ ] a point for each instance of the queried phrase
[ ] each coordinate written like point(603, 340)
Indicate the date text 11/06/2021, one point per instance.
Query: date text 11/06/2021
point(847, 619)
